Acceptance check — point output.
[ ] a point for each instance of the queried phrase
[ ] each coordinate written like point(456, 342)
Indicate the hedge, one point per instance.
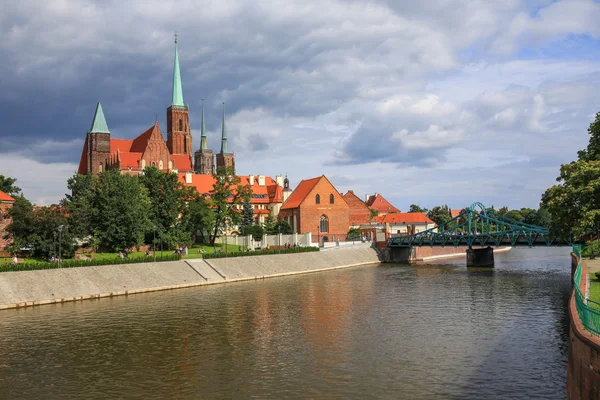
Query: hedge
point(261, 252)
point(34, 266)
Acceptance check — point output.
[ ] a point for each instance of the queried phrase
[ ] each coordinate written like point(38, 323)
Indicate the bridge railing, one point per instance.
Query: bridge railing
point(587, 309)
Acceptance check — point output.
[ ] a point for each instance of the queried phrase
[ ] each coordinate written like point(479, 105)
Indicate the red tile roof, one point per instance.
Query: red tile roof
point(404, 218)
point(300, 193)
point(130, 160)
point(181, 162)
point(379, 203)
point(122, 145)
point(139, 144)
point(455, 213)
point(83, 162)
point(260, 194)
point(5, 197)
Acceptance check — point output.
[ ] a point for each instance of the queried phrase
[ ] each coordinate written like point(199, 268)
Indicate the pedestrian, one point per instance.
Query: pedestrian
point(14, 260)
point(215, 249)
point(185, 249)
point(121, 256)
point(148, 253)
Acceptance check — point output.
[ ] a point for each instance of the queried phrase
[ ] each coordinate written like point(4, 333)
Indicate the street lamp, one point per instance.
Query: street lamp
point(318, 235)
point(225, 238)
point(54, 247)
point(154, 242)
point(279, 237)
point(60, 228)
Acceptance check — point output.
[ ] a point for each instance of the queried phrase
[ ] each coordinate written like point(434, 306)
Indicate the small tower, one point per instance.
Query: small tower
point(225, 158)
point(97, 145)
point(286, 188)
point(204, 159)
point(179, 135)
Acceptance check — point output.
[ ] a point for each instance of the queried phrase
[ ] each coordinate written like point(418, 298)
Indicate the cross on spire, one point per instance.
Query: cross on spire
point(175, 36)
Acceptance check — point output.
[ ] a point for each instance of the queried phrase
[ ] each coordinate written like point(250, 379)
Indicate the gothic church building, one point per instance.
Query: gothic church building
point(101, 152)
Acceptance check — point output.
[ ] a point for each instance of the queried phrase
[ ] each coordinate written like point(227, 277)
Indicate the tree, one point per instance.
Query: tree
point(354, 234)
point(226, 196)
point(199, 219)
point(439, 214)
point(247, 216)
point(269, 224)
point(416, 208)
point(516, 215)
point(168, 199)
point(592, 152)
point(256, 231)
point(79, 205)
point(46, 239)
point(373, 213)
point(7, 185)
point(574, 203)
point(283, 227)
point(21, 226)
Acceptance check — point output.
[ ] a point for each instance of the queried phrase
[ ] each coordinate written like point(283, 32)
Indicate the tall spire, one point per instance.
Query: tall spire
point(224, 134)
point(203, 145)
point(99, 123)
point(177, 91)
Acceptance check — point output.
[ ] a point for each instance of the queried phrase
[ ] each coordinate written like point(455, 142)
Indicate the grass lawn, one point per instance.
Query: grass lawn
point(594, 291)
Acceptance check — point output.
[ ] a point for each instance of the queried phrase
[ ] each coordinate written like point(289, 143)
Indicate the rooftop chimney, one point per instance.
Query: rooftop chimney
point(251, 180)
point(188, 178)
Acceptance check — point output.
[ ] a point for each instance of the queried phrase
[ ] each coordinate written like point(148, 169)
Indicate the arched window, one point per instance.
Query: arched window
point(160, 165)
point(330, 199)
point(324, 225)
point(180, 124)
point(318, 199)
point(153, 164)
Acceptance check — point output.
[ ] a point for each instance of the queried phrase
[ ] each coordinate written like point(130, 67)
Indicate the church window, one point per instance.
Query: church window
point(160, 165)
point(324, 225)
point(180, 124)
point(330, 199)
point(318, 199)
point(170, 165)
point(143, 164)
point(153, 164)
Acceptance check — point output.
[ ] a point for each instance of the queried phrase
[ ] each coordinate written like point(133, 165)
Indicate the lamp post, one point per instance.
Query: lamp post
point(60, 228)
point(54, 247)
point(318, 236)
point(225, 238)
point(279, 237)
point(154, 243)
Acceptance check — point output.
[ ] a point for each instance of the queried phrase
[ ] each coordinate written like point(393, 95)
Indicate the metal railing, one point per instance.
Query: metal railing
point(587, 309)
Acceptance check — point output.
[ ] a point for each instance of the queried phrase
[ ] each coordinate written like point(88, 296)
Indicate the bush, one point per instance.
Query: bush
point(598, 275)
point(262, 252)
point(34, 266)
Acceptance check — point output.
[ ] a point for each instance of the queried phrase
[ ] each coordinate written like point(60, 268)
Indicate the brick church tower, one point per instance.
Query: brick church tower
point(97, 145)
point(225, 158)
point(204, 161)
point(179, 136)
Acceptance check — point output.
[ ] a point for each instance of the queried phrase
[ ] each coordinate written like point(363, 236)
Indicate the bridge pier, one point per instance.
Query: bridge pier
point(480, 257)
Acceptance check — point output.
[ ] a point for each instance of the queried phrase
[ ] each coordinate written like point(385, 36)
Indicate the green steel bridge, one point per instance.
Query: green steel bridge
point(479, 226)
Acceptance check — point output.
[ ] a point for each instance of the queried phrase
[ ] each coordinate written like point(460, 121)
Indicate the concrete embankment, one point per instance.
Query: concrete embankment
point(29, 288)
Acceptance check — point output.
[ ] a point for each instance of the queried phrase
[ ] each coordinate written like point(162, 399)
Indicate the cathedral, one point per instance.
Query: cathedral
point(101, 152)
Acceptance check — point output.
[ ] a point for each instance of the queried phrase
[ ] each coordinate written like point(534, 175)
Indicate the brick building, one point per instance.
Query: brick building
point(101, 152)
point(6, 203)
point(359, 212)
point(379, 203)
point(316, 206)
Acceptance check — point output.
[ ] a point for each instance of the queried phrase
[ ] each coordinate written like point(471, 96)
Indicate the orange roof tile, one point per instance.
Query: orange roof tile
point(300, 193)
point(404, 218)
point(5, 197)
point(181, 162)
point(83, 162)
point(130, 160)
point(455, 213)
point(122, 145)
point(260, 194)
point(379, 203)
point(138, 144)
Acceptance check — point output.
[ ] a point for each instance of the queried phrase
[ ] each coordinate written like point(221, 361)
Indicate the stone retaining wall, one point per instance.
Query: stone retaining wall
point(28, 288)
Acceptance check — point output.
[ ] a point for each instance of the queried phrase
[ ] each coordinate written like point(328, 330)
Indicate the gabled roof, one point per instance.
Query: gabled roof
point(5, 197)
point(379, 203)
point(300, 193)
point(404, 218)
point(139, 144)
point(455, 213)
point(355, 202)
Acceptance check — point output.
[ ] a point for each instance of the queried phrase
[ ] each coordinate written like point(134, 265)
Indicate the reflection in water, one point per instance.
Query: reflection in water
point(399, 332)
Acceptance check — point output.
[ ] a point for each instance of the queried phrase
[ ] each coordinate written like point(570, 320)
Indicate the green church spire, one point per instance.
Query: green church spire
point(177, 91)
point(99, 124)
point(224, 134)
point(203, 145)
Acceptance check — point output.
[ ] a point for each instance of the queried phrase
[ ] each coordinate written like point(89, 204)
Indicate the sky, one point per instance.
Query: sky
point(428, 103)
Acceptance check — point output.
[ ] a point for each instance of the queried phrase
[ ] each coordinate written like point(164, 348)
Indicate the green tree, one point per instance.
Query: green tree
point(256, 231)
point(354, 234)
point(574, 203)
point(226, 196)
point(269, 224)
point(247, 216)
point(7, 185)
point(516, 215)
point(373, 213)
point(282, 227)
point(45, 238)
point(199, 219)
point(79, 205)
point(168, 199)
point(592, 152)
point(20, 229)
point(439, 214)
point(416, 208)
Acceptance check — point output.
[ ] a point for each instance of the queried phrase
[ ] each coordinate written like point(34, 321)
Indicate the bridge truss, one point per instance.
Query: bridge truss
point(478, 226)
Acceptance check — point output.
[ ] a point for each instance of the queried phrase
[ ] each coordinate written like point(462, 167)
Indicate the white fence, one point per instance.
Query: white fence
point(302, 240)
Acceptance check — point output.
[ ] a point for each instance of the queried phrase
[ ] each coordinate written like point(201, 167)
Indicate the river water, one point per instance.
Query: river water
point(433, 331)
